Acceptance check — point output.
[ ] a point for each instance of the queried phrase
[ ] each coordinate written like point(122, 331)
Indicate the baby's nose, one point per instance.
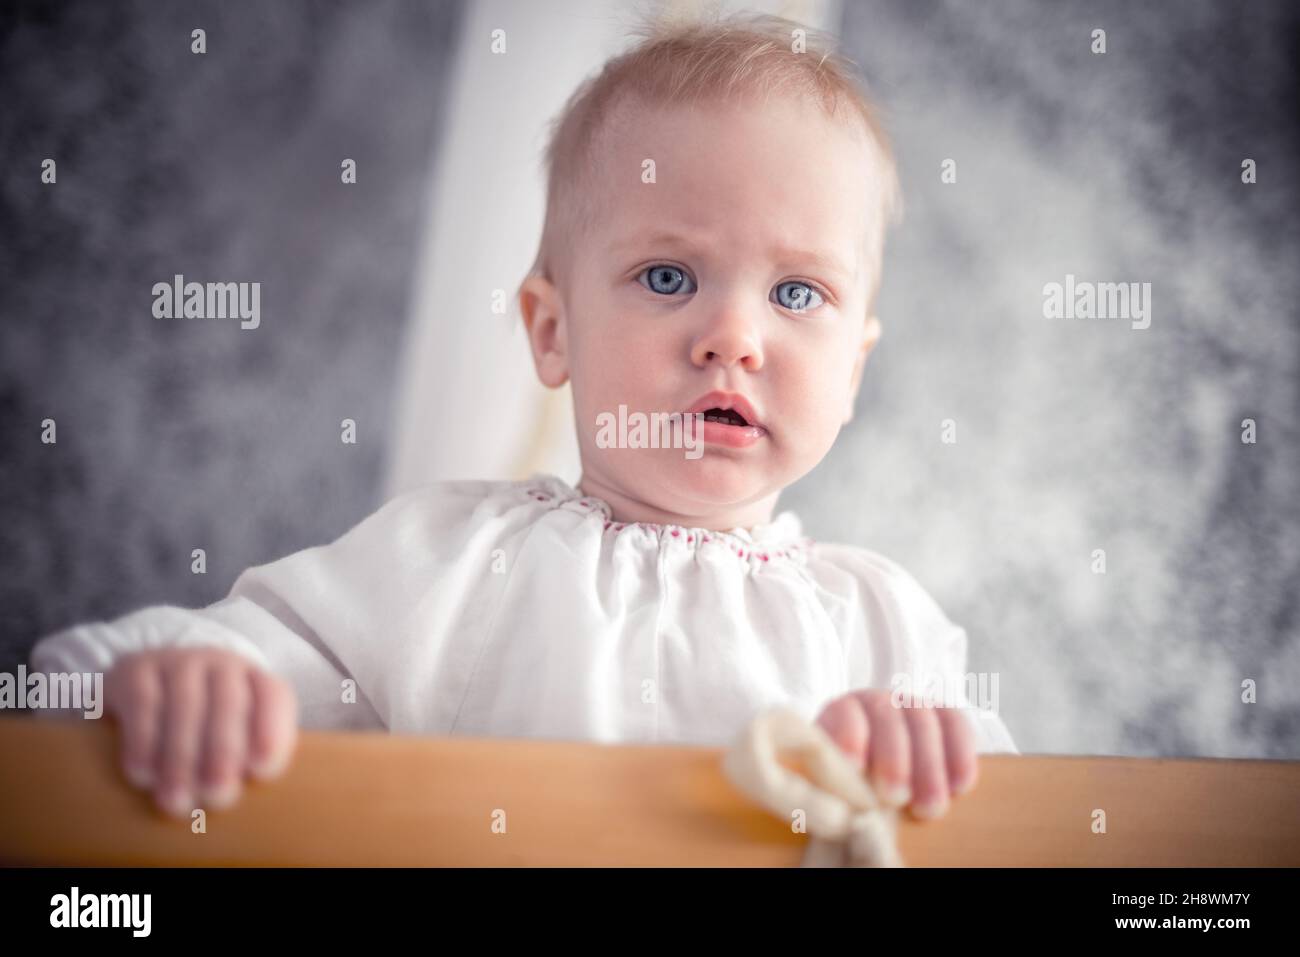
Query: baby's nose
point(731, 338)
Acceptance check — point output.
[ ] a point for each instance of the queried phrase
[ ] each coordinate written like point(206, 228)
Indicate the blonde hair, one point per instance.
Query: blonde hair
point(689, 59)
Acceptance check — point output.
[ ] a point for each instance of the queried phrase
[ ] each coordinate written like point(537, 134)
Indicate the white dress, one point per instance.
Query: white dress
point(519, 609)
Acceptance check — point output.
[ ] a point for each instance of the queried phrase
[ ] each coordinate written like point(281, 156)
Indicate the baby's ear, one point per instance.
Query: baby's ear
point(542, 309)
point(870, 336)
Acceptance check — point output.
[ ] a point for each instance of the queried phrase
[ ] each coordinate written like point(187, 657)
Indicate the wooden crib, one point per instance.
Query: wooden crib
point(372, 799)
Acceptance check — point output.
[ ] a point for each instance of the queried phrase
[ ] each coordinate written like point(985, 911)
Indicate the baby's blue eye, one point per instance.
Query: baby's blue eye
point(798, 296)
point(666, 280)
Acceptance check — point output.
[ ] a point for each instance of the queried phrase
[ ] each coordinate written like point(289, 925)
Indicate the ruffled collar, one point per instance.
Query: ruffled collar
point(782, 537)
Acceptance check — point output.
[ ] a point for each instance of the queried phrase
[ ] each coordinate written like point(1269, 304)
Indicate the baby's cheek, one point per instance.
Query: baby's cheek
point(820, 414)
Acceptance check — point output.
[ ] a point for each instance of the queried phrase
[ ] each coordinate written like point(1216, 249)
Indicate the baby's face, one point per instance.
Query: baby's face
point(742, 269)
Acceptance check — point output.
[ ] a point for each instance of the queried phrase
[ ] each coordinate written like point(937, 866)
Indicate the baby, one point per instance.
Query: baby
point(716, 205)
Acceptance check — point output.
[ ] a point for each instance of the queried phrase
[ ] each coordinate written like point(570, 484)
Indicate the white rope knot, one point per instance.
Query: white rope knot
point(847, 826)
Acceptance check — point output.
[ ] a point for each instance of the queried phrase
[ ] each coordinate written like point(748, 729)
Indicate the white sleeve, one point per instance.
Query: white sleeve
point(906, 641)
point(991, 733)
point(316, 618)
point(237, 624)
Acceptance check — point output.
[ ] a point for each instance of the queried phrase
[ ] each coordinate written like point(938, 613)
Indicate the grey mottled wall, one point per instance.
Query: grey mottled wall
point(1071, 435)
point(223, 166)
point(1075, 435)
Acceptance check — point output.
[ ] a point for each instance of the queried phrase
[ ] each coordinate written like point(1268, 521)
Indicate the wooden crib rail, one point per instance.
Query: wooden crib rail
point(370, 799)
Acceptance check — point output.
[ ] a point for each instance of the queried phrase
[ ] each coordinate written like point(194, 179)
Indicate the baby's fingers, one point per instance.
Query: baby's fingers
point(959, 743)
point(184, 706)
point(226, 739)
point(889, 761)
point(274, 725)
point(846, 723)
point(929, 774)
point(134, 694)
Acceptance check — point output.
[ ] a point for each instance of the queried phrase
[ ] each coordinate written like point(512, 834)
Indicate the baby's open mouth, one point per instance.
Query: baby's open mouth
point(729, 419)
point(724, 416)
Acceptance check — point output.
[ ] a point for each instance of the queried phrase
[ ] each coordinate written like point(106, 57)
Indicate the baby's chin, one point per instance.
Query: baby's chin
point(717, 481)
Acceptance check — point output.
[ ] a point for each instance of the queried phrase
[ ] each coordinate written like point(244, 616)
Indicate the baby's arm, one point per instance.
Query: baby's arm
point(205, 697)
point(315, 635)
point(914, 753)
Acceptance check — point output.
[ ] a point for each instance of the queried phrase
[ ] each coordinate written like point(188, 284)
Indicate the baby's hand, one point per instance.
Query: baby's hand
point(195, 720)
point(912, 755)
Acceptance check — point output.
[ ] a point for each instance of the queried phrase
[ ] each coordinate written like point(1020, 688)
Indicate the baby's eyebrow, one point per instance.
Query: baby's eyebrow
point(782, 254)
point(654, 239)
point(822, 261)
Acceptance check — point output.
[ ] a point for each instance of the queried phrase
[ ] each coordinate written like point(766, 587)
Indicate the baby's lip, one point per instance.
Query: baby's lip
point(727, 400)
